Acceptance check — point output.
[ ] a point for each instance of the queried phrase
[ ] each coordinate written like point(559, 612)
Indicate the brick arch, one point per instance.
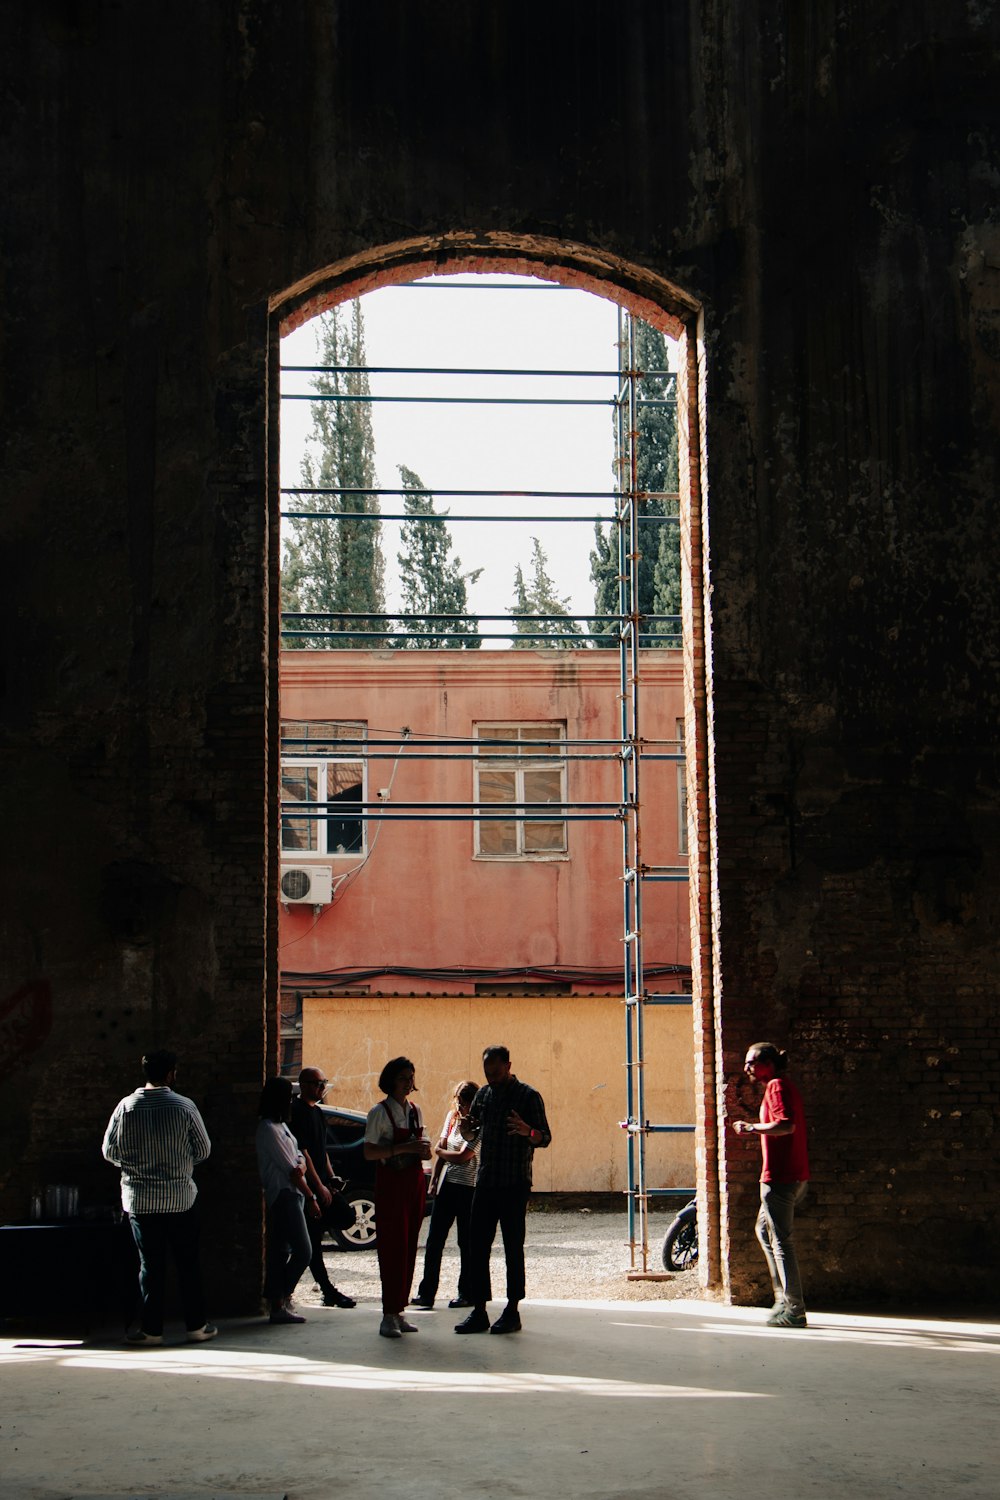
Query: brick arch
point(641, 291)
point(676, 314)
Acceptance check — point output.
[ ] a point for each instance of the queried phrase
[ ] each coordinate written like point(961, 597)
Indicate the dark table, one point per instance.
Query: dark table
point(78, 1272)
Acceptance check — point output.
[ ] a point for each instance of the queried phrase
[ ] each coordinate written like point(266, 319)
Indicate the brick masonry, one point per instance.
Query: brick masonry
point(807, 195)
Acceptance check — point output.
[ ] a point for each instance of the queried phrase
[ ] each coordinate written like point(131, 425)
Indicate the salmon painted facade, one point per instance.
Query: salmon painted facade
point(410, 926)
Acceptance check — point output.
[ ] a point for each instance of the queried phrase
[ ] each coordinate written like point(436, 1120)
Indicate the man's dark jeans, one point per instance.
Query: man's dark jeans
point(154, 1234)
point(506, 1206)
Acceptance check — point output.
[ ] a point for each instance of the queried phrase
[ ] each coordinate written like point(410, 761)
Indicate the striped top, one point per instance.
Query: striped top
point(157, 1138)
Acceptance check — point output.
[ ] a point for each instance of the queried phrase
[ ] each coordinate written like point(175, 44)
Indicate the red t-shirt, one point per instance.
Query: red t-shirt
point(786, 1157)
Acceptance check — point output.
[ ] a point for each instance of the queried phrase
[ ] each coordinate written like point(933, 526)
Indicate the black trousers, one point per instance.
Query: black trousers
point(506, 1207)
point(154, 1235)
point(317, 1265)
point(453, 1205)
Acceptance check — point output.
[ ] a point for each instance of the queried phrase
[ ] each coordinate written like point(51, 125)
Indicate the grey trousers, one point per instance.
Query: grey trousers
point(776, 1231)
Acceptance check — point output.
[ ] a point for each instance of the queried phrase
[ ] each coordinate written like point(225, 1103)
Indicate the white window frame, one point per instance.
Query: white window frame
point(320, 764)
point(519, 764)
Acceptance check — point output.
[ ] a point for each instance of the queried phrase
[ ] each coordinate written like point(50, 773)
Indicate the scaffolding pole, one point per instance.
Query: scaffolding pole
point(628, 631)
point(636, 873)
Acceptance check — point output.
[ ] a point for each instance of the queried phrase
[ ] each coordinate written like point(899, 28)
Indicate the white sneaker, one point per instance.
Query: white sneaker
point(389, 1328)
point(140, 1336)
point(203, 1334)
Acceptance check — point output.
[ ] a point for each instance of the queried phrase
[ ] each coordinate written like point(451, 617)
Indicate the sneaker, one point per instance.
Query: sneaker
point(388, 1329)
point(478, 1321)
point(461, 1302)
point(203, 1334)
point(404, 1326)
point(285, 1315)
point(783, 1318)
point(509, 1321)
point(424, 1303)
point(334, 1298)
point(140, 1336)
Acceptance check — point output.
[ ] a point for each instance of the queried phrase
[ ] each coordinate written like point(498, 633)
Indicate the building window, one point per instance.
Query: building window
point(526, 763)
point(682, 796)
point(323, 785)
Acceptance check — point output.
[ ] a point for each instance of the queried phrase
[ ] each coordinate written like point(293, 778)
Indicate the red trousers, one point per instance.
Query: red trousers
point(399, 1212)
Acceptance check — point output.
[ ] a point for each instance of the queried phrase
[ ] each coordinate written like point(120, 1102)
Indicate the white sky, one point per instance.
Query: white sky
point(484, 447)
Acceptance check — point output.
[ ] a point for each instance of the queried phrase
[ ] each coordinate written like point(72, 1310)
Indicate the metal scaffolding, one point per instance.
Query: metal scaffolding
point(633, 633)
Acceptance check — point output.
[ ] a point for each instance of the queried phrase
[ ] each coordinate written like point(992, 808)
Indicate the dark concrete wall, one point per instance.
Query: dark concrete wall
point(821, 179)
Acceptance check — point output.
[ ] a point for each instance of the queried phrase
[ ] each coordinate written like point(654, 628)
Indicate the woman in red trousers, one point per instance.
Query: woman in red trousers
point(395, 1141)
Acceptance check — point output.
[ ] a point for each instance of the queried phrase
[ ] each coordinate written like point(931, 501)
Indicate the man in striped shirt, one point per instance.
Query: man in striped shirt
point(157, 1138)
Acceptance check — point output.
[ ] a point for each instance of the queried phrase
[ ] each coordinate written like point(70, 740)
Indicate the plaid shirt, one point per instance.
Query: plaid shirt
point(505, 1160)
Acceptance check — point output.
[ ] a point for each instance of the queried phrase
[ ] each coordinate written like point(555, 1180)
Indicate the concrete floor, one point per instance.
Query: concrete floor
point(596, 1399)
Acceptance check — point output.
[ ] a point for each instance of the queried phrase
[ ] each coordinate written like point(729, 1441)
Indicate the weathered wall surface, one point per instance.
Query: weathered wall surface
point(822, 181)
point(568, 1047)
point(423, 898)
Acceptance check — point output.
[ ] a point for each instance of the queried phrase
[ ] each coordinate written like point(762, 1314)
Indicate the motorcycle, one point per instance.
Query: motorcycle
point(680, 1243)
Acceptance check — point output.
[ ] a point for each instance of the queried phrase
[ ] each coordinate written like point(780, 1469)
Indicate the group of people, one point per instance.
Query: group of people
point(482, 1174)
point(481, 1181)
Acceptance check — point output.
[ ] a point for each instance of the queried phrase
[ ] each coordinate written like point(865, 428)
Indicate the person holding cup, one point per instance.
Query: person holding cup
point(396, 1141)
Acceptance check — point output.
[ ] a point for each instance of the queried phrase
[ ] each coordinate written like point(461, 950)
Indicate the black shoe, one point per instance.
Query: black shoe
point(333, 1298)
point(509, 1321)
point(478, 1321)
point(426, 1303)
point(461, 1302)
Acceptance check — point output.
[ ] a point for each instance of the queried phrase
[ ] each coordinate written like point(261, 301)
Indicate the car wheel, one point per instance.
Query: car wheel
point(362, 1233)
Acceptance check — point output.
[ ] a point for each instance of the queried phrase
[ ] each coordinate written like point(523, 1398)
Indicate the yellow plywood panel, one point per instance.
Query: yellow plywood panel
point(571, 1048)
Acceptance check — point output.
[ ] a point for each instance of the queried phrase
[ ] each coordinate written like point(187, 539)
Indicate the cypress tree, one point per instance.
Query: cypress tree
point(433, 586)
point(332, 565)
point(540, 598)
point(656, 470)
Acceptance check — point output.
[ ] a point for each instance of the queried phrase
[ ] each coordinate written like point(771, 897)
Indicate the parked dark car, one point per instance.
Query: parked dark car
point(345, 1134)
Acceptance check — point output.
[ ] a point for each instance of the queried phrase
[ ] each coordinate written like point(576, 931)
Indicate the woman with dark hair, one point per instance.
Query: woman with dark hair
point(395, 1141)
point(283, 1178)
point(455, 1171)
point(783, 1178)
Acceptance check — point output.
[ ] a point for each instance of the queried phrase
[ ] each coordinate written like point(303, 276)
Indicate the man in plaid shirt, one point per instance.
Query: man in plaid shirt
point(508, 1117)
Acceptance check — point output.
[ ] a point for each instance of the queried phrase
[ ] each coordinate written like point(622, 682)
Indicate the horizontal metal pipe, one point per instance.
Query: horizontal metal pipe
point(459, 818)
point(349, 397)
point(353, 489)
point(379, 515)
point(457, 400)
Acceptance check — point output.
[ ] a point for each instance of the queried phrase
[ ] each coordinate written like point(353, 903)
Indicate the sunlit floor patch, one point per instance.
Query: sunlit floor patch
point(286, 1370)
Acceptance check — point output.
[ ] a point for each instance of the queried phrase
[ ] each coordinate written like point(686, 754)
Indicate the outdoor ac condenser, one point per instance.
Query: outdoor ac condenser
point(311, 885)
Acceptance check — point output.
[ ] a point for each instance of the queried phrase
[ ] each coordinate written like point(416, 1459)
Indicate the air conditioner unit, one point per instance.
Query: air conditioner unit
point(310, 885)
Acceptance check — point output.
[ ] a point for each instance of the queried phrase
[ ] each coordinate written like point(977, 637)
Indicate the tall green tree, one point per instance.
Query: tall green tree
point(658, 566)
point(539, 597)
point(330, 565)
point(433, 585)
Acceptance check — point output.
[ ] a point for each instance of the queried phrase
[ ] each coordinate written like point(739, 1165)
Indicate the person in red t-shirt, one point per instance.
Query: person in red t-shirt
point(783, 1178)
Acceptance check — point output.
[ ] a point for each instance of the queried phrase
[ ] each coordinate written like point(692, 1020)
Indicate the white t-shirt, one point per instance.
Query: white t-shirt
point(379, 1126)
point(277, 1155)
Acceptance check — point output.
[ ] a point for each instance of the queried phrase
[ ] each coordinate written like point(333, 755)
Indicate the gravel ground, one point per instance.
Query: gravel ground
point(577, 1253)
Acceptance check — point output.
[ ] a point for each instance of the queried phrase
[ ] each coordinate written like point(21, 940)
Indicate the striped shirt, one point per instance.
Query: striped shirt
point(157, 1138)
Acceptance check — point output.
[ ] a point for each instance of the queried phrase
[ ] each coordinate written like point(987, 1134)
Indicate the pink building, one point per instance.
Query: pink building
point(423, 900)
point(409, 927)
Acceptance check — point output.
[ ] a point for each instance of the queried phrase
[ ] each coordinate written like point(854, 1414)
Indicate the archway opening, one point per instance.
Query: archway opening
point(367, 774)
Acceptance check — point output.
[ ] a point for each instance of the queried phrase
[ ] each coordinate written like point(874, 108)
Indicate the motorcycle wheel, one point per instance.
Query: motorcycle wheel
point(680, 1246)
